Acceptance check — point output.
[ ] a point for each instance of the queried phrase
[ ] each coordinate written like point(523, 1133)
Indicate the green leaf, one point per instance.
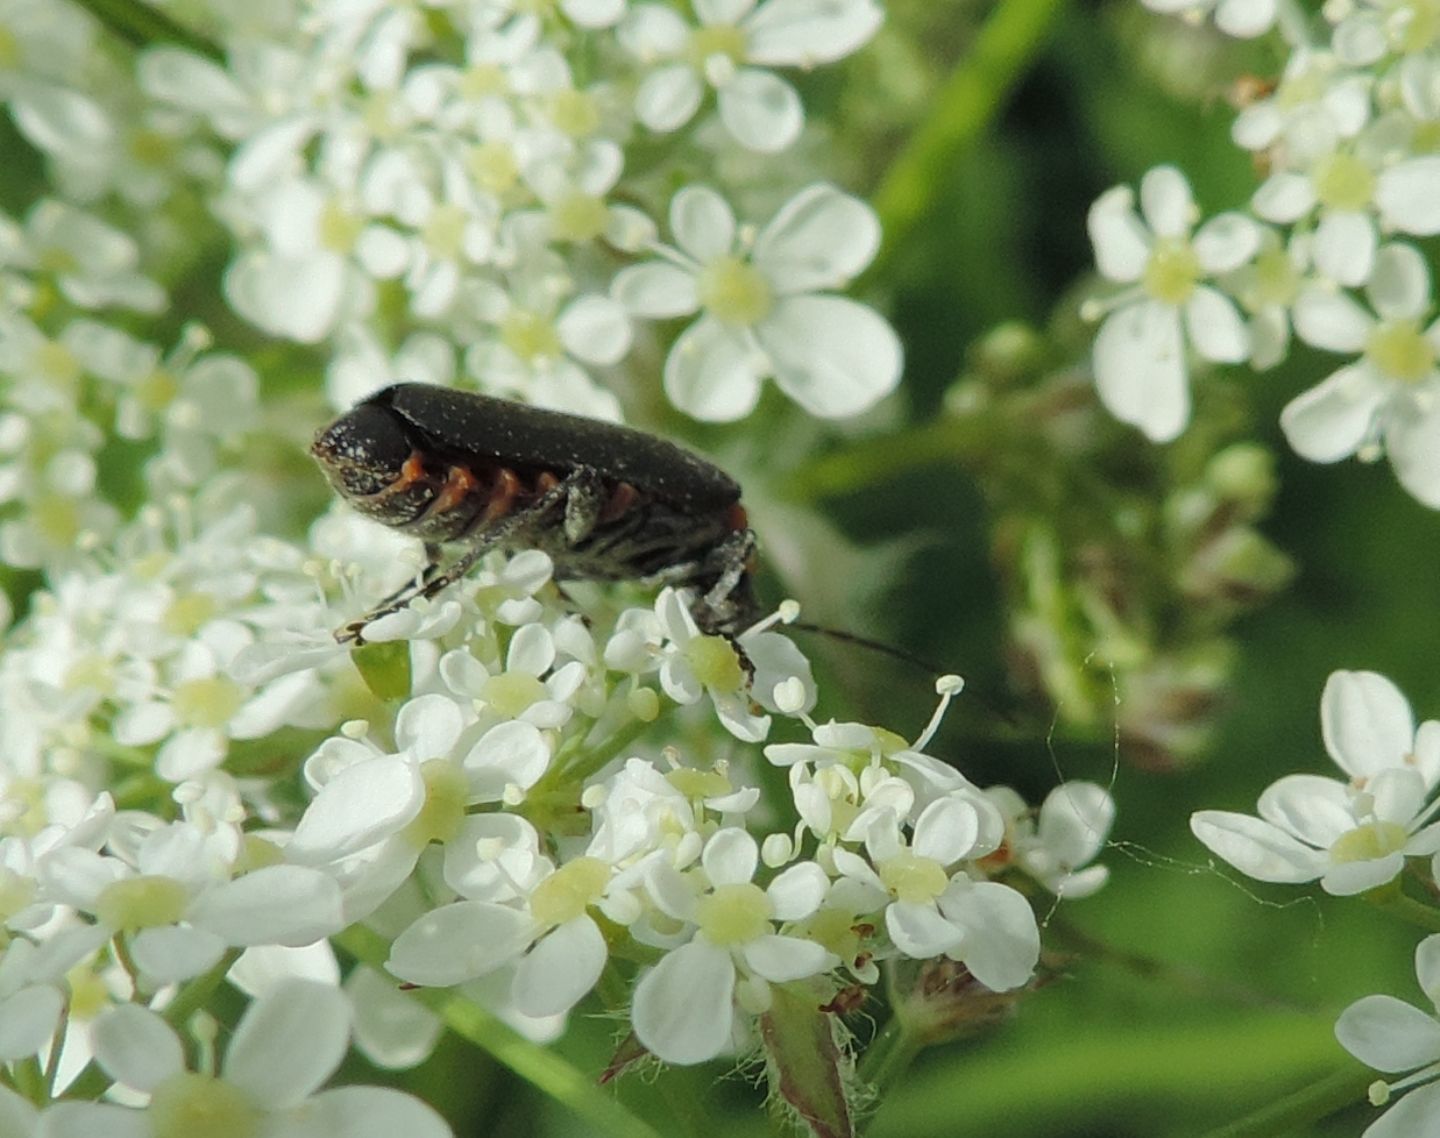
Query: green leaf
point(807, 1067)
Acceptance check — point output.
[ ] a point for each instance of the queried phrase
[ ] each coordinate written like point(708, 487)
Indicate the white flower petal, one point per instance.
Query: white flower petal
point(834, 357)
point(459, 942)
point(1165, 201)
point(1399, 287)
point(1226, 242)
point(1284, 197)
point(1002, 941)
point(1408, 196)
point(28, 1019)
point(712, 372)
point(172, 953)
point(656, 290)
point(1366, 722)
point(289, 905)
point(820, 239)
point(781, 959)
point(366, 1112)
point(1121, 241)
point(1215, 327)
point(668, 98)
point(683, 1011)
point(761, 110)
point(702, 223)
point(360, 806)
point(595, 329)
point(557, 973)
point(1412, 442)
point(289, 1042)
point(798, 891)
point(1140, 369)
point(428, 726)
point(730, 857)
point(87, 1119)
point(1315, 809)
point(919, 931)
point(1332, 321)
point(1331, 420)
point(1388, 1034)
point(802, 33)
point(136, 1046)
point(1256, 848)
point(1344, 246)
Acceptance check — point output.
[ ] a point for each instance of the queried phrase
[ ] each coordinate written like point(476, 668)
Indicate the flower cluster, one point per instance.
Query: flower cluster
point(1325, 251)
point(1355, 836)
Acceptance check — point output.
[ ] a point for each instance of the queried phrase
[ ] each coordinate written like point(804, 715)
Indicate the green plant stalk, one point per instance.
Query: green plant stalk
point(537, 1065)
point(142, 26)
point(1394, 901)
point(1302, 1108)
point(1006, 45)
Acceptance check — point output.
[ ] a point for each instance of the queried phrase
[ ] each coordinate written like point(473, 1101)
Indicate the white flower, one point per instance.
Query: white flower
point(1392, 1036)
point(684, 1008)
point(1068, 831)
point(758, 108)
point(935, 910)
point(1244, 19)
point(1139, 357)
point(763, 313)
point(1351, 836)
point(288, 1042)
point(1388, 398)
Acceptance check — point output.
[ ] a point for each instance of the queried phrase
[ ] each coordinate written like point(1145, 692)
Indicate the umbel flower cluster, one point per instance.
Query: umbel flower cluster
point(1328, 250)
point(528, 792)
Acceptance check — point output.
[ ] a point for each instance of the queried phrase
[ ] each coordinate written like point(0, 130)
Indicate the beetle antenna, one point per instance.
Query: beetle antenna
point(905, 657)
point(874, 645)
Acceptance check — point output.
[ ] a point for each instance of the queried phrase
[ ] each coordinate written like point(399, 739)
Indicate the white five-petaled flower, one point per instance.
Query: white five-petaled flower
point(1056, 844)
point(288, 1042)
point(766, 306)
point(1350, 835)
point(1140, 368)
point(1392, 1036)
point(1390, 396)
point(685, 1006)
point(758, 108)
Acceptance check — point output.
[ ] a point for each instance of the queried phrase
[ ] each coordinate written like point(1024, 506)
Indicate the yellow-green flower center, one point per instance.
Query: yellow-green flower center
point(57, 519)
point(15, 892)
point(157, 390)
point(697, 784)
point(58, 364)
point(577, 217)
point(529, 335)
point(716, 40)
point(143, 902)
point(735, 292)
point(1369, 842)
point(444, 810)
point(339, 228)
point(188, 1104)
point(493, 166)
point(511, 693)
point(834, 929)
point(1275, 280)
point(483, 79)
point(189, 613)
point(734, 914)
point(1414, 27)
point(206, 702)
point(575, 113)
point(150, 148)
point(1399, 349)
point(1172, 271)
point(444, 230)
point(569, 891)
point(715, 662)
point(910, 877)
point(1342, 181)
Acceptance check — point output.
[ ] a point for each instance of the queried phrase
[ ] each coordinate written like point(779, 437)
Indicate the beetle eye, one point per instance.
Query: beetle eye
point(363, 451)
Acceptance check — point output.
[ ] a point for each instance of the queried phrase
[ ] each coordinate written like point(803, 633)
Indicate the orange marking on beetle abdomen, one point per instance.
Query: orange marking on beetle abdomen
point(621, 499)
point(460, 483)
point(546, 481)
point(503, 494)
point(411, 472)
point(736, 518)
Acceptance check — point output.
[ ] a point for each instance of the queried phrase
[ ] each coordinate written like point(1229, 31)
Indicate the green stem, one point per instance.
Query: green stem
point(1392, 899)
point(964, 108)
point(542, 1068)
point(92, 1082)
point(142, 26)
point(1300, 1110)
point(874, 461)
point(889, 1054)
point(29, 1081)
point(592, 759)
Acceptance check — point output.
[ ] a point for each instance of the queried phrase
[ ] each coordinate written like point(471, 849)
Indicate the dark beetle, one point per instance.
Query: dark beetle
point(605, 502)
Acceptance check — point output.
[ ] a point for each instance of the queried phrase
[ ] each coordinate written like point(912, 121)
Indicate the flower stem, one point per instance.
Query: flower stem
point(1392, 899)
point(890, 1052)
point(964, 108)
point(592, 759)
point(142, 26)
point(1306, 1106)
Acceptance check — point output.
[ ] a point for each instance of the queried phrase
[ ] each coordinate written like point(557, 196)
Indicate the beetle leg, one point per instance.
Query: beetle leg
point(433, 580)
point(585, 501)
point(727, 603)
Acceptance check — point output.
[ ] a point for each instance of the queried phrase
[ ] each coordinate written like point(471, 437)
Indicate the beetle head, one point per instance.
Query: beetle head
point(368, 457)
